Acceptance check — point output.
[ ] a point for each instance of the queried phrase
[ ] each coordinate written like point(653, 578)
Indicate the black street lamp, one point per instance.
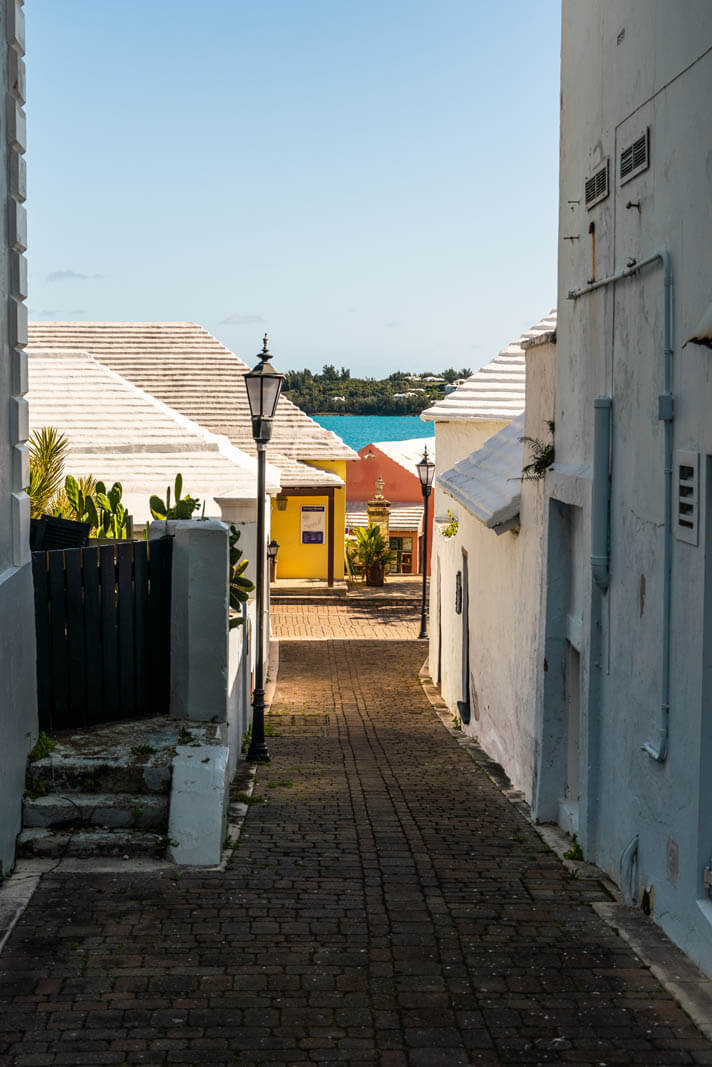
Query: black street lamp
point(426, 470)
point(272, 550)
point(263, 386)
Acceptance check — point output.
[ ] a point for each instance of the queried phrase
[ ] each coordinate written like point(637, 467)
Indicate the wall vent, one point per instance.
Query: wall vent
point(635, 158)
point(596, 188)
point(688, 496)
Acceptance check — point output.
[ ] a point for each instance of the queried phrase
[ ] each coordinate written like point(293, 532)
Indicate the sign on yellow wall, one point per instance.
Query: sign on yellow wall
point(313, 524)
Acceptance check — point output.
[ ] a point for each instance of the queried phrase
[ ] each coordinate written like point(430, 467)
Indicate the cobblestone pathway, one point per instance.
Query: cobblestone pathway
point(386, 622)
point(386, 905)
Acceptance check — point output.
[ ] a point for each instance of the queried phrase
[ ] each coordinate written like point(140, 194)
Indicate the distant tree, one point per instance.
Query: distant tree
point(450, 374)
point(465, 373)
point(328, 371)
point(345, 374)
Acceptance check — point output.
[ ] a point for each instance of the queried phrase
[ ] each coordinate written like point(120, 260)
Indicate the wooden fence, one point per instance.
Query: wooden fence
point(102, 616)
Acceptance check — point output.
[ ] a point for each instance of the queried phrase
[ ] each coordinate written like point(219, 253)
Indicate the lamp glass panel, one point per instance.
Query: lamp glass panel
point(271, 388)
point(253, 384)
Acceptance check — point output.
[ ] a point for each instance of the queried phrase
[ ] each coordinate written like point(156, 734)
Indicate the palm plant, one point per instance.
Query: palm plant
point(48, 450)
point(374, 553)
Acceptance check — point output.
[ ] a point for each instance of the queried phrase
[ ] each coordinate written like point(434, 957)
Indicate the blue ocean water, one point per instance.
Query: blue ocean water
point(360, 430)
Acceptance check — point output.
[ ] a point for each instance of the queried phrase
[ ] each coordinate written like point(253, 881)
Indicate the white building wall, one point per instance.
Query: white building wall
point(18, 699)
point(453, 442)
point(503, 601)
point(627, 67)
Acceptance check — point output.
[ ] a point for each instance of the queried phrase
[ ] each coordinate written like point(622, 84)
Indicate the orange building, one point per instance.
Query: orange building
point(394, 462)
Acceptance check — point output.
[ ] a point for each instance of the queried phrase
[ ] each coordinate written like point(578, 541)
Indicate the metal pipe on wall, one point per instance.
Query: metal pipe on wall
point(601, 492)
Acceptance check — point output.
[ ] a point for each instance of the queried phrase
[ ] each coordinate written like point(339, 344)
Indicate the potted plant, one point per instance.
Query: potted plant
point(373, 553)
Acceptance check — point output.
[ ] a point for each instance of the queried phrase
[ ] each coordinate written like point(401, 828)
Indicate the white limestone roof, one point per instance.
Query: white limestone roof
point(407, 453)
point(116, 432)
point(488, 482)
point(184, 366)
point(403, 516)
point(495, 392)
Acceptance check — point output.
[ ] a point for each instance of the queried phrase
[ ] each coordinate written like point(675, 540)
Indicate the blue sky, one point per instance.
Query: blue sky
point(373, 183)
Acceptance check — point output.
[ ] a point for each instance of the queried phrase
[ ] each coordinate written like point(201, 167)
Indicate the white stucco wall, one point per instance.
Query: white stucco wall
point(454, 441)
point(626, 67)
point(18, 698)
point(504, 573)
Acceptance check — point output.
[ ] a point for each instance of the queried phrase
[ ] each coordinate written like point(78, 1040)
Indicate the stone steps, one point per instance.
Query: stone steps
point(105, 810)
point(96, 774)
point(41, 842)
point(81, 802)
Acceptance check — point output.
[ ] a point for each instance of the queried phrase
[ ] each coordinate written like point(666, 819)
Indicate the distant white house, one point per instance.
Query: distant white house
point(118, 433)
point(182, 365)
point(624, 716)
point(487, 549)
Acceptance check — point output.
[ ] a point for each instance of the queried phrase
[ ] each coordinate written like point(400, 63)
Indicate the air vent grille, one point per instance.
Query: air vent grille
point(597, 186)
point(635, 158)
point(687, 489)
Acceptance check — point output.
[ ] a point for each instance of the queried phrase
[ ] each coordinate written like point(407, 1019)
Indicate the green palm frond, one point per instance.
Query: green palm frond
point(48, 450)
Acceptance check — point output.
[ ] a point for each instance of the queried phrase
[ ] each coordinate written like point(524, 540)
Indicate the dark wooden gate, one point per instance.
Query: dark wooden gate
point(102, 617)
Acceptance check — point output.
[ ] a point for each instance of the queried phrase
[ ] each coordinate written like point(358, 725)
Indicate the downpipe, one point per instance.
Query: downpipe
point(600, 558)
point(601, 492)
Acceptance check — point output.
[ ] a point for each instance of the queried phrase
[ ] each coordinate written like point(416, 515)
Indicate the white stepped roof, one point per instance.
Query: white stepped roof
point(183, 365)
point(407, 453)
point(116, 432)
point(488, 482)
point(495, 392)
point(403, 516)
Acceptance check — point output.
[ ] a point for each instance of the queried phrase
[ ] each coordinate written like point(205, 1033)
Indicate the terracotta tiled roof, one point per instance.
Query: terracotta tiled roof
point(497, 390)
point(183, 365)
point(116, 432)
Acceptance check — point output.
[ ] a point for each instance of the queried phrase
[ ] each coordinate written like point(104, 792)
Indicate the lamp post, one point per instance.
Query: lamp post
point(263, 386)
point(426, 470)
point(272, 550)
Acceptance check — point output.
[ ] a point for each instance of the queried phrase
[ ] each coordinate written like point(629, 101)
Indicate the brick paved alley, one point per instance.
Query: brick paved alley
point(386, 905)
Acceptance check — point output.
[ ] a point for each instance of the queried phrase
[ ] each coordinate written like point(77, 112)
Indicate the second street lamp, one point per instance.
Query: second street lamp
point(426, 470)
point(263, 386)
point(272, 550)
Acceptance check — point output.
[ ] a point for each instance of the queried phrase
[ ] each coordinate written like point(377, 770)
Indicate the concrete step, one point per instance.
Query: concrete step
point(40, 842)
point(106, 810)
point(404, 600)
point(96, 774)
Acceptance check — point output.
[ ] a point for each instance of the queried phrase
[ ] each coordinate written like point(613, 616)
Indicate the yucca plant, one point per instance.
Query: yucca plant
point(48, 450)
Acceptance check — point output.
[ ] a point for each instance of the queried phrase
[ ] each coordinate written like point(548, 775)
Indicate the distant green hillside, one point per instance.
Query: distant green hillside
point(336, 392)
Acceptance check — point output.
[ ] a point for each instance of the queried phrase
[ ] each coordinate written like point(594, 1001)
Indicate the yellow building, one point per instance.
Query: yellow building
point(308, 523)
point(185, 367)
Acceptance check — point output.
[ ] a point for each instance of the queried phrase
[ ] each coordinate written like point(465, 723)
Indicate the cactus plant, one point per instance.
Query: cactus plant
point(90, 502)
point(183, 507)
